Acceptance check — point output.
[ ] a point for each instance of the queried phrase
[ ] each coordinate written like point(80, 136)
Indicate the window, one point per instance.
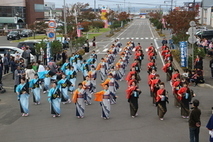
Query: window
point(39, 7)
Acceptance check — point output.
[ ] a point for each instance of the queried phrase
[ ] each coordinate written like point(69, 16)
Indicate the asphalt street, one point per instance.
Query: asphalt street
point(147, 127)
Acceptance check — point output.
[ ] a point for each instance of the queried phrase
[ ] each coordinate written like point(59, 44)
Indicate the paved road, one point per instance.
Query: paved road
point(40, 126)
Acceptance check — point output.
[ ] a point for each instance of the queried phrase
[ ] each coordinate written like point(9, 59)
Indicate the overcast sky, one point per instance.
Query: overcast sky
point(114, 3)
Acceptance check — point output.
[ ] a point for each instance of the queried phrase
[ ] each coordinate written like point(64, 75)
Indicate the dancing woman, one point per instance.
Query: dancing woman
point(22, 91)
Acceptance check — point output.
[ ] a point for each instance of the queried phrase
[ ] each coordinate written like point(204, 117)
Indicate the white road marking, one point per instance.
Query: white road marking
point(127, 38)
point(151, 38)
point(126, 29)
point(122, 38)
point(132, 38)
point(146, 38)
point(136, 38)
point(141, 38)
point(105, 50)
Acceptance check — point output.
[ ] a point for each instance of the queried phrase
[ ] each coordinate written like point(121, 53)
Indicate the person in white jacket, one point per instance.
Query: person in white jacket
point(29, 72)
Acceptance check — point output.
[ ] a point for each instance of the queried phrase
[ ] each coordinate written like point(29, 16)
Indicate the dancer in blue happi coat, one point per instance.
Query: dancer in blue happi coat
point(64, 85)
point(35, 84)
point(73, 61)
point(78, 61)
point(22, 91)
point(65, 66)
point(54, 98)
point(84, 69)
point(47, 74)
point(71, 75)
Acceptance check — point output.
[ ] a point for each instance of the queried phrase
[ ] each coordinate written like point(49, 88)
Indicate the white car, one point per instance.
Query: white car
point(13, 52)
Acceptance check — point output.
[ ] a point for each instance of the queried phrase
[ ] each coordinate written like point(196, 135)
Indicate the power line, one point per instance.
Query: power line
point(131, 2)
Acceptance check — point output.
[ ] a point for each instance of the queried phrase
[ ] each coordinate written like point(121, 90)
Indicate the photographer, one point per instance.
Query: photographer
point(194, 122)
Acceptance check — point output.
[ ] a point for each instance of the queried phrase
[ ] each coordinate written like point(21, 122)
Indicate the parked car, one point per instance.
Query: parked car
point(14, 35)
point(31, 44)
point(206, 34)
point(26, 33)
point(13, 50)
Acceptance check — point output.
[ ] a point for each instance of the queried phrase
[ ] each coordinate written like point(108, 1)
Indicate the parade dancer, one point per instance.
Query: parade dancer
point(93, 75)
point(151, 77)
point(35, 84)
point(71, 75)
point(73, 62)
point(161, 100)
point(87, 85)
point(133, 93)
point(84, 69)
point(22, 91)
point(150, 66)
point(185, 95)
point(120, 68)
point(47, 79)
point(168, 69)
point(78, 99)
point(64, 85)
point(104, 98)
point(176, 87)
point(65, 66)
point(113, 86)
point(54, 98)
point(155, 86)
point(78, 62)
point(102, 69)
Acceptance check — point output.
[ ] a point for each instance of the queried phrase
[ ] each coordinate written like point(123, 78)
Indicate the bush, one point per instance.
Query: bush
point(179, 37)
point(98, 24)
point(81, 52)
point(56, 47)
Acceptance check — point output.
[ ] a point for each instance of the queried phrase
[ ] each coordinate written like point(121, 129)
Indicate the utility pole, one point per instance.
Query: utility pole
point(94, 5)
point(65, 19)
point(124, 5)
point(171, 5)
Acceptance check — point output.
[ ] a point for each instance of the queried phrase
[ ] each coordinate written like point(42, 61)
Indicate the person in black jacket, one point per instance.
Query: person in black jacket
point(211, 66)
point(1, 69)
point(194, 122)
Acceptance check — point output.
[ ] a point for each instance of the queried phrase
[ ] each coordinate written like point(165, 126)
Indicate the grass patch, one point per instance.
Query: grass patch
point(37, 37)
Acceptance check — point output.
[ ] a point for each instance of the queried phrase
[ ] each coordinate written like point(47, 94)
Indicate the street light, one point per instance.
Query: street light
point(65, 20)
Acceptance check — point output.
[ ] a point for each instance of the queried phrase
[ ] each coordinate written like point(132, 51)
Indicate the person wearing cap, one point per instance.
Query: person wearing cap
point(194, 122)
point(102, 69)
point(54, 98)
point(64, 84)
point(104, 98)
point(93, 75)
point(87, 85)
point(35, 85)
point(78, 99)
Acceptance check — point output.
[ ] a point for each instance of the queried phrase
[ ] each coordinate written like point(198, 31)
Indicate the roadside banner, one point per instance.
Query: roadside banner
point(48, 52)
point(183, 54)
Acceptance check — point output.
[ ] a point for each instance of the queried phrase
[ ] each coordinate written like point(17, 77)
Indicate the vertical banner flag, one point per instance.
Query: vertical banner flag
point(183, 54)
point(48, 52)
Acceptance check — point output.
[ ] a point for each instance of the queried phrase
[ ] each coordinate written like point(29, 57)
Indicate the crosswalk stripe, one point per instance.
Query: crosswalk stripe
point(136, 38)
point(105, 50)
point(122, 38)
point(141, 38)
point(127, 38)
point(146, 38)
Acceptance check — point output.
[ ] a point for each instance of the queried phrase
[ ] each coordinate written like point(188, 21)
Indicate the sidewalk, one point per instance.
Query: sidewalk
point(206, 69)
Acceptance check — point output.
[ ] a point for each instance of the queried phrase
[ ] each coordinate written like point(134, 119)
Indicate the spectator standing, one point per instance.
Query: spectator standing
point(26, 55)
point(1, 70)
point(211, 67)
point(171, 43)
point(29, 73)
point(17, 77)
point(93, 41)
point(52, 65)
point(64, 56)
point(198, 63)
point(194, 122)
point(13, 66)
point(6, 63)
point(164, 41)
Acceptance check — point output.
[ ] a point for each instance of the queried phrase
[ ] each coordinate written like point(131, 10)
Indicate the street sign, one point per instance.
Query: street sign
point(51, 36)
point(52, 24)
point(192, 39)
point(192, 31)
point(183, 53)
point(192, 23)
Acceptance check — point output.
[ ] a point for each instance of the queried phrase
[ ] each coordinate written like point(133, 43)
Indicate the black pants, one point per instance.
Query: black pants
point(6, 69)
point(212, 71)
